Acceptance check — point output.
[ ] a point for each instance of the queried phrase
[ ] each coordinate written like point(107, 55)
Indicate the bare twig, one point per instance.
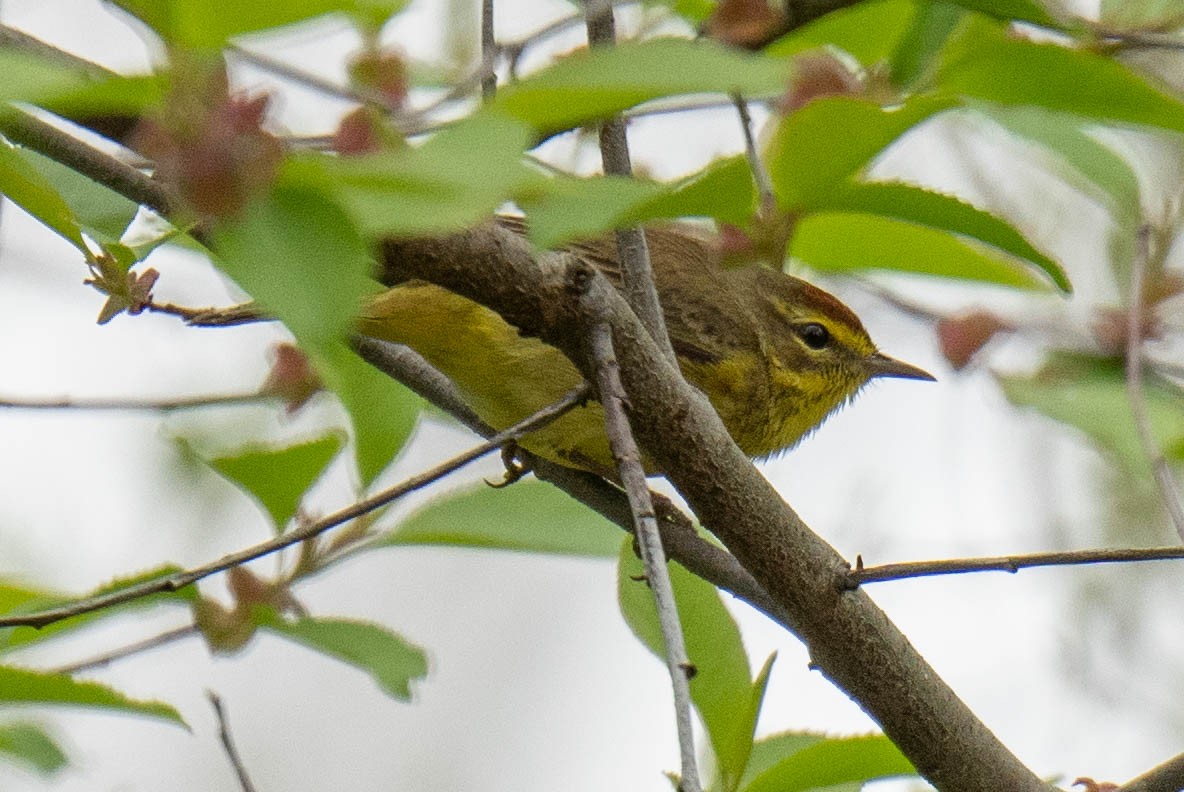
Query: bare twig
point(236, 761)
point(102, 660)
point(160, 405)
point(296, 75)
point(488, 52)
point(649, 541)
point(1012, 563)
point(180, 580)
point(1167, 777)
point(230, 316)
point(759, 173)
point(1165, 480)
point(1141, 39)
point(638, 279)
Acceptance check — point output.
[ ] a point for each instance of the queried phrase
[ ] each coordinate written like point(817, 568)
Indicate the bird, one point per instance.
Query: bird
point(774, 354)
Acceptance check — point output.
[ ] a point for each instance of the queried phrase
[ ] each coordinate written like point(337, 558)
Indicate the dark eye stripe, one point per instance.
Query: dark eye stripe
point(815, 335)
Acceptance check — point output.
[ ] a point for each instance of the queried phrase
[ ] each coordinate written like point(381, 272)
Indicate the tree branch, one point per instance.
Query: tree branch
point(1167, 777)
point(236, 761)
point(849, 638)
point(1012, 563)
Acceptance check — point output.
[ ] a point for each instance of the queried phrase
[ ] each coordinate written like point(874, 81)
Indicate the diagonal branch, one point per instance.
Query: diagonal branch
point(313, 529)
point(849, 638)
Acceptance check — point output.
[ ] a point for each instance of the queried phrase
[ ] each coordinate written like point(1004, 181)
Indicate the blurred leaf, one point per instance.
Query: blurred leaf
point(831, 761)
point(990, 65)
point(60, 88)
point(1090, 395)
point(723, 190)
point(22, 686)
point(208, 23)
point(1163, 15)
point(1067, 139)
point(383, 411)
point(722, 689)
point(918, 49)
point(301, 258)
point(28, 189)
point(16, 599)
point(565, 208)
point(868, 31)
point(393, 662)
point(102, 212)
point(942, 213)
point(823, 146)
point(29, 744)
point(852, 241)
point(695, 12)
point(528, 516)
point(455, 179)
point(587, 85)
point(278, 478)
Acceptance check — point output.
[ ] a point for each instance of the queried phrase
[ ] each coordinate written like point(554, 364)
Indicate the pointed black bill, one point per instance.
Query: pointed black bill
point(880, 365)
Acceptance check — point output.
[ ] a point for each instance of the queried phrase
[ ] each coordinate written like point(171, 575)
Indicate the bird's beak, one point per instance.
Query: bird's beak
point(880, 365)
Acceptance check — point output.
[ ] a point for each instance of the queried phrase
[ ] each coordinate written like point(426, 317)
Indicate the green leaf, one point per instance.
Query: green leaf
point(457, 178)
point(918, 49)
point(383, 411)
point(868, 31)
point(722, 689)
point(1090, 395)
point(297, 253)
point(29, 744)
point(17, 599)
point(28, 189)
point(996, 68)
point(528, 516)
point(591, 84)
point(768, 751)
point(208, 23)
point(23, 686)
point(393, 662)
point(1067, 139)
point(102, 212)
point(301, 257)
point(278, 478)
point(942, 213)
point(564, 208)
point(827, 143)
point(852, 241)
point(723, 190)
point(834, 761)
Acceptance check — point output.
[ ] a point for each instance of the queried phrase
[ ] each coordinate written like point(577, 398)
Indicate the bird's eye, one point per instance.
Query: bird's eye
point(815, 335)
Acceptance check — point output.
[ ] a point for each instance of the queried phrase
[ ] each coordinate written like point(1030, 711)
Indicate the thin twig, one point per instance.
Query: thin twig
point(649, 541)
point(102, 660)
point(180, 580)
point(1012, 563)
point(1167, 777)
point(1164, 478)
point(232, 754)
point(158, 405)
point(296, 75)
point(759, 173)
point(638, 278)
point(230, 316)
point(488, 52)
point(1142, 39)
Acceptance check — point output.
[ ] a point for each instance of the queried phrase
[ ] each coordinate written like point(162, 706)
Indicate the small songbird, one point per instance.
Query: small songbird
point(774, 354)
